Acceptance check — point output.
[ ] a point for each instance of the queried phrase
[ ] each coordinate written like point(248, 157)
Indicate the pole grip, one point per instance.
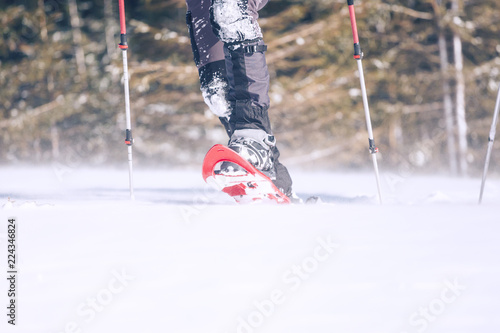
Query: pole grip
point(357, 49)
point(354, 26)
point(123, 28)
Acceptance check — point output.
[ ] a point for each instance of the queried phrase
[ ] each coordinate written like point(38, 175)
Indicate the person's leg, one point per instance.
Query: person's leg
point(235, 23)
point(209, 58)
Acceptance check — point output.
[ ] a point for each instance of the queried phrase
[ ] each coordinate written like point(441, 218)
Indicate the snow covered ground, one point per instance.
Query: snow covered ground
point(182, 258)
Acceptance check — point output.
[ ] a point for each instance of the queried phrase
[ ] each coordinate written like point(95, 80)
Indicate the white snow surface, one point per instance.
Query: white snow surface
point(183, 258)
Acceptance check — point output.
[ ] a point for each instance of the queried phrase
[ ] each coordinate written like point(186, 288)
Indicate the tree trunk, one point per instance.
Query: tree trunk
point(54, 139)
point(43, 20)
point(111, 45)
point(77, 38)
point(460, 95)
point(448, 107)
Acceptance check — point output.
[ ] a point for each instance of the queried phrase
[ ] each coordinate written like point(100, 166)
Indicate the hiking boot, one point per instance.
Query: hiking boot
point(255, 146)
point(259, 148)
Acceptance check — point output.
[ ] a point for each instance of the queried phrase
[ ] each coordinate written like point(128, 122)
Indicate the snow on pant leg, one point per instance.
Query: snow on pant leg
point(235, 23)
point(209, 57)
point(215, 89)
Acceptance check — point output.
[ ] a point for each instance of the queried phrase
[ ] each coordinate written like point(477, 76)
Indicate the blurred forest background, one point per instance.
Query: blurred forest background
point(431, 69)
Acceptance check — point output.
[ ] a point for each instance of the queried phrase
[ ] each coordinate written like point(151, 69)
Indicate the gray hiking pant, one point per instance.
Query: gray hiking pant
point(229, 52)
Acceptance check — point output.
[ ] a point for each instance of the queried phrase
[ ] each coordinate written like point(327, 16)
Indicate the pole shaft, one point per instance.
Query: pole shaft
point(485, 171)
point(128, 132)
point(358, 55)
point(491, 139)
point(495, 118)
point(130, 173)
point(126, 89)
point(377, 177)
point(365, 99)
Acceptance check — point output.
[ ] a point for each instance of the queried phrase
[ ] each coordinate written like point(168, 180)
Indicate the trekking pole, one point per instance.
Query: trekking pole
point(358, 55)
point(491, 138)
point(128, 132)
